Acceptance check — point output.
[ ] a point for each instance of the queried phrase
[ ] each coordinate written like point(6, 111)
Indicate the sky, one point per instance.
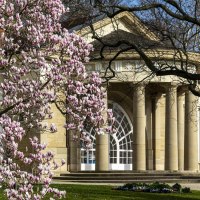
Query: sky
point(130, 2)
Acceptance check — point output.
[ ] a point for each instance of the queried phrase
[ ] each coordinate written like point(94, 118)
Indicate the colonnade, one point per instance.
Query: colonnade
point(164, 131)
point(181, 138)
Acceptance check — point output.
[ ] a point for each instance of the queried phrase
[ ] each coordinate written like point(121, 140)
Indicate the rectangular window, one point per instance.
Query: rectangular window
point(129, 160)
point(98, 66)
point(90, 67)
point(84, 160)
point(118, 66)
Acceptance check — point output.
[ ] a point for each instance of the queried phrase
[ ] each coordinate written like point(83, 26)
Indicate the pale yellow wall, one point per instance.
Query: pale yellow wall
point(56, 142)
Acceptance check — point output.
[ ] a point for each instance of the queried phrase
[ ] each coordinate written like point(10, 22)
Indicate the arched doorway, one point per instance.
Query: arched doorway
point(120, 143)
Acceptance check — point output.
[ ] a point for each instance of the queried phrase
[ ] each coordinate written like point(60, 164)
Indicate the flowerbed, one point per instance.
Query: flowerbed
point(155, 187)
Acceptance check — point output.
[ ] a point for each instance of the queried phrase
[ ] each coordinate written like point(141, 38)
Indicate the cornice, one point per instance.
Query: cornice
point(161, 54)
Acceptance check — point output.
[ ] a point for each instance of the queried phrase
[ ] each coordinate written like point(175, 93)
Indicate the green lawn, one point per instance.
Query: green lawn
point(94, 192)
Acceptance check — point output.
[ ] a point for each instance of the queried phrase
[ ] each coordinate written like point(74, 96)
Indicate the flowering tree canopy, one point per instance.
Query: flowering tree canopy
point(40, 64)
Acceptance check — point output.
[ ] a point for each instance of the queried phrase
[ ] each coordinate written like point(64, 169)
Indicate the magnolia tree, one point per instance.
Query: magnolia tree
point(39, 61)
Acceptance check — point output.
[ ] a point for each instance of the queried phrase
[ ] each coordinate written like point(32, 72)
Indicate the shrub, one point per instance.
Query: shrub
point(186, 190)
point(176, 187)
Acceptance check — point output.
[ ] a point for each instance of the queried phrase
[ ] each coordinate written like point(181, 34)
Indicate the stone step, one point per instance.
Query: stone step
point(126, 177)
point(111, 178)
point(121, 174)
point(129, 181)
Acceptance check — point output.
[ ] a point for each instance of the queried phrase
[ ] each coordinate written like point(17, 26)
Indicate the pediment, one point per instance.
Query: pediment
point(125, 21)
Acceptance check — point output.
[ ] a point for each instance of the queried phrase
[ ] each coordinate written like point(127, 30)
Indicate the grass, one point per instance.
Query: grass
point(95, 192)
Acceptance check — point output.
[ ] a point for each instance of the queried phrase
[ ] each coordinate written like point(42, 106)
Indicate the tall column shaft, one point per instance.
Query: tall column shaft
point(162, 130)
point(149, 144)
point(102, 146)
point(191, 137)
point(139, 144)
point(102, 153)
point(74, 153)
point(158, 164)
point(171, 148)
point(181, 135)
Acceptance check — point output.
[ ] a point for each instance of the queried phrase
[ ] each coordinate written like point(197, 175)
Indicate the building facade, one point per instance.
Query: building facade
point(157, 118)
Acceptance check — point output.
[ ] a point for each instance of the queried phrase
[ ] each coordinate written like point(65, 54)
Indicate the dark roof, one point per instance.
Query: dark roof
point(79, 20)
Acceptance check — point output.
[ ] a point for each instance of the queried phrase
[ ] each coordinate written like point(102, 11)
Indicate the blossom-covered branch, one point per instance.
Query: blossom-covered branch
point(39, 61)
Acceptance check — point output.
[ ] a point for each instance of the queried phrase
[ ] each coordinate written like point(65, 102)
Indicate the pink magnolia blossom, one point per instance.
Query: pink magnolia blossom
point(34, 71)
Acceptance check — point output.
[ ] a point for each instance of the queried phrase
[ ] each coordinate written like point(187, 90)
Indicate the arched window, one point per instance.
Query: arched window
point(88, 155)
point(120, 143)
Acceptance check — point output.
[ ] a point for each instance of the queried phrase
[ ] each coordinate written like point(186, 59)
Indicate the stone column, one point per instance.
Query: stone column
point(74, 152)
point(162, 130)
point(139, 118)
point(102, 147)
point(1, 37)
point(181, 136)
point(149, 144)
point(171, 148)
point(191, 137)
point(158, 165)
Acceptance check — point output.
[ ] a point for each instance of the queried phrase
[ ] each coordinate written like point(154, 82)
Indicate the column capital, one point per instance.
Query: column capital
point(181, 94)
point(157, 95)
point(182, 89)
point(139, 90)
point(139, 85)
point(170, 87)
